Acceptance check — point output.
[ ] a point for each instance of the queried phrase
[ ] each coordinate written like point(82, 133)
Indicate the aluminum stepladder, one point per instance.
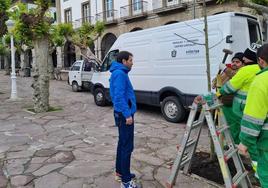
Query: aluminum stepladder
point(190, 140)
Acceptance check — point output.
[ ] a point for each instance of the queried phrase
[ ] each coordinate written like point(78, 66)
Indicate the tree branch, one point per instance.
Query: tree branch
point(259, 8)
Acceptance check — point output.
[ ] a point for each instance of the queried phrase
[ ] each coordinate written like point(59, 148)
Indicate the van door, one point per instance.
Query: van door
point(87, 71)
point(101, 80)
point(75, 73)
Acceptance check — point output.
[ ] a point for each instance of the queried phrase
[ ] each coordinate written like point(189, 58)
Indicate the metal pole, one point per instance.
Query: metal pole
point(97, 41)
point(13, 74)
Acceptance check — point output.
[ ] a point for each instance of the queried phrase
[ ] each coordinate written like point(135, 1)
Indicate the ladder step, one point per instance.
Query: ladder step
point(229, 153)
point(190, 143)
point(185, 160)
point(215, 106)
point(238, 177)
point(221, 129)
point(196, 124)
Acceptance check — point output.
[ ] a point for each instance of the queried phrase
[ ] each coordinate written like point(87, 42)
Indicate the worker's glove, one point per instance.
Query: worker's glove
point(222, 66)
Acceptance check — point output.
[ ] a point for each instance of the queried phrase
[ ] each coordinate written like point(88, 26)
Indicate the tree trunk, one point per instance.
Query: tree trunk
point(50, 67)
point(40, 76)
point(22, 60)
point(212, 149)
point(7, 63)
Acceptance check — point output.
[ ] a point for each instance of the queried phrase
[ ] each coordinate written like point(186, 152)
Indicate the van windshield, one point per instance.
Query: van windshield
point(108, 60)
point(254, 31)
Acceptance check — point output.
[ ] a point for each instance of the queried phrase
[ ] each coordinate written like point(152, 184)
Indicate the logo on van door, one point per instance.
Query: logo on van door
point(173, 53)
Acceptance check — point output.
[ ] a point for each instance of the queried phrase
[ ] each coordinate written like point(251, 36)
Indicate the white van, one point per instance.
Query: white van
point(80, 74)
point(169, 61)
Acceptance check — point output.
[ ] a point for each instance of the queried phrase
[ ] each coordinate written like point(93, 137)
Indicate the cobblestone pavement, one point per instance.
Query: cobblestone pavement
point(75, 147)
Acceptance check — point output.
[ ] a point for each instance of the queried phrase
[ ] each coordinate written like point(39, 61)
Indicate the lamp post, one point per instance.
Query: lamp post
point(10, 24)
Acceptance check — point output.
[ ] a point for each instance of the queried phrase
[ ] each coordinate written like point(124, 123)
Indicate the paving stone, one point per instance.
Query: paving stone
point(21, 180)
point(53, 180)
point(72, 143)
point(61, 157)
point(86, 169)
point(3, 182)
point(78, 183)
point(148, 159)
point(38, 160)
point(45, 153)
point(20, 154)
point(47, 168)
point(15, 166)
point(7, 127)
point(32, 167)
point(4, 149)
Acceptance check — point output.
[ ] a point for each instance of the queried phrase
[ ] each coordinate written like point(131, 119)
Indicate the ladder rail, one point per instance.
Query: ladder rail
point(192, 151)
point(177, 163)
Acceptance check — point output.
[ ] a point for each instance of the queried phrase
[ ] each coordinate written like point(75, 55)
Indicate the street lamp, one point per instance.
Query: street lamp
point(10, 25)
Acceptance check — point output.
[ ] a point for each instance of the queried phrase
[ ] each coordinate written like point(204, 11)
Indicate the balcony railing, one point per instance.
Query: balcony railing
point(108, 17)
point(162, 6)
point(135, 10)
point(78, 23)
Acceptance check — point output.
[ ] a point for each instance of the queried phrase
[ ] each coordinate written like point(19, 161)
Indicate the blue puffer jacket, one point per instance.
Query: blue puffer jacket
point(121, 90)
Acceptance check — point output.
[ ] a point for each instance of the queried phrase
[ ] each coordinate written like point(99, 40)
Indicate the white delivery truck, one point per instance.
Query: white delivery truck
point(169, 61)
point(80, 74)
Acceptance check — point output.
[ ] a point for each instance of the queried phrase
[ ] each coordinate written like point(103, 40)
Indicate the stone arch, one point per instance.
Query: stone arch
point(28, 59)
point(106, 43)
point(69, 54)
point(17, 59)
point(171, 22)
point(136, 29)
point(54, 58)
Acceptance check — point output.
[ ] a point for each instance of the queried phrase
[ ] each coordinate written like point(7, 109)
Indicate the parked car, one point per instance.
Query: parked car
point(80, 74)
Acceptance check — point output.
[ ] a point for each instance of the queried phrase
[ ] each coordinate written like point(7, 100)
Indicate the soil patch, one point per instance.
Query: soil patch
point(204, 167)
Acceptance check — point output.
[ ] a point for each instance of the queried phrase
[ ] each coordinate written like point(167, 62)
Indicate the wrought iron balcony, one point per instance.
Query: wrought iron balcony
point(78, 23)
point(165, 6)
point(134, 11)
point(108, 17)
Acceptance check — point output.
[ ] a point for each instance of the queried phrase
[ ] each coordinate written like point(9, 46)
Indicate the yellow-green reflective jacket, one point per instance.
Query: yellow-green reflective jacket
point(239, 86)
point(254, 124)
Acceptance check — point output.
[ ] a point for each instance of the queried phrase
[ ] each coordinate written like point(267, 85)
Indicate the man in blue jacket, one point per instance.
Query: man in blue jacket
point(124, 103)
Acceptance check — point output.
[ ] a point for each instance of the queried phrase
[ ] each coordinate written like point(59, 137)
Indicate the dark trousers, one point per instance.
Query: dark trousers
point(125, 146)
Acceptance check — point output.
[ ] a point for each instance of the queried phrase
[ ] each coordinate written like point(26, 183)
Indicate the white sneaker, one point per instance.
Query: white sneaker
point(130, 184)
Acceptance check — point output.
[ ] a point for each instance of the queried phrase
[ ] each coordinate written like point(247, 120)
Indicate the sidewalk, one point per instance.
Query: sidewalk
point(75, 147)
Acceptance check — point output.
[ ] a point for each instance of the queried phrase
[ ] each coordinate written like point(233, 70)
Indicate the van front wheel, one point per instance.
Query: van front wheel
point(172, 109)
point(99, 97)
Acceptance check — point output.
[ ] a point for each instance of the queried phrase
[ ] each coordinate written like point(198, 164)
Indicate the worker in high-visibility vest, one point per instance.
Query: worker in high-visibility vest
point(239, 86)
point(254, 124)
point(228, 71)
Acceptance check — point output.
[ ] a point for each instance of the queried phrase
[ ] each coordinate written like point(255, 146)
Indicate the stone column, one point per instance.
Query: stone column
point(59, 57)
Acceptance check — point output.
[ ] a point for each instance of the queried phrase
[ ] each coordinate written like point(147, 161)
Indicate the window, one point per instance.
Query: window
point(76, 66)
point(86, 12)
point(68, 15)
point(109, 59)
point(137, 4)
point(254, 32)
point(109, 8)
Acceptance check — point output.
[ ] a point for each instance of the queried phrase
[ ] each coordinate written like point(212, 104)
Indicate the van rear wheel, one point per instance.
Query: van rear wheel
point(172, 109)
point(99, 97)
